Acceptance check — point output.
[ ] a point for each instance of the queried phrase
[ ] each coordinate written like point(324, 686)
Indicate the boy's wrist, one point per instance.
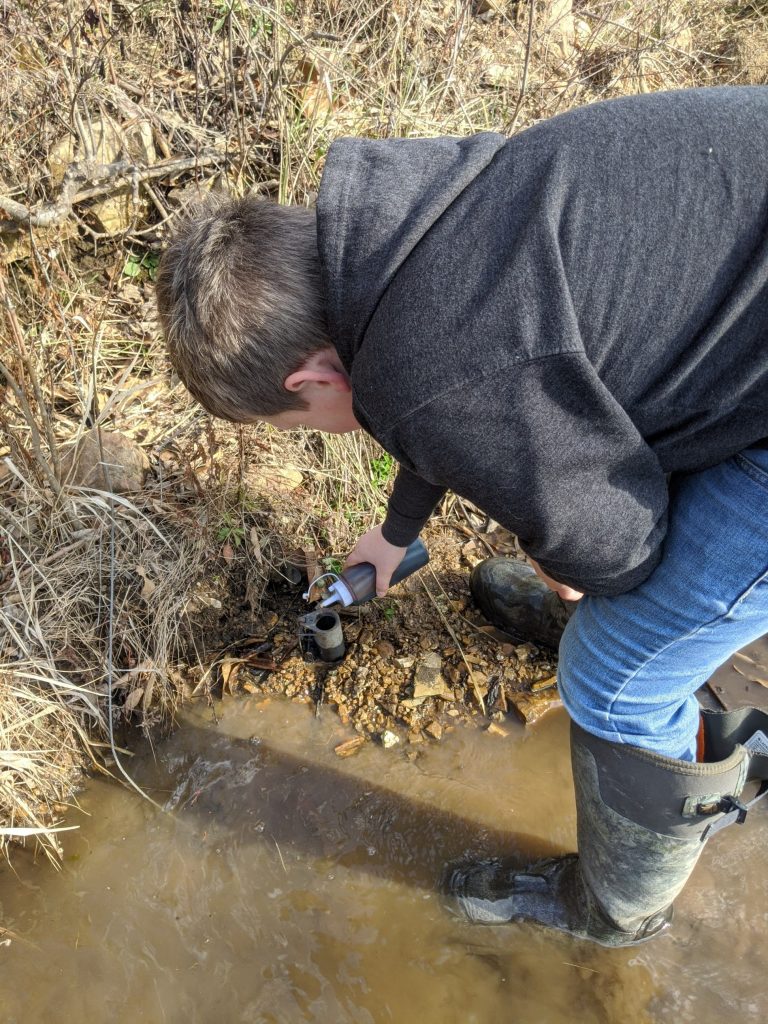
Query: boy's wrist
point(398, 530)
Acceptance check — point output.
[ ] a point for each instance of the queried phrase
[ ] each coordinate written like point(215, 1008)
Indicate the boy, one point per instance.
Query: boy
point(569, 329)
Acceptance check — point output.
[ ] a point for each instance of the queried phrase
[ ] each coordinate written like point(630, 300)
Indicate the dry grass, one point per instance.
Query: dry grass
point(95, 590)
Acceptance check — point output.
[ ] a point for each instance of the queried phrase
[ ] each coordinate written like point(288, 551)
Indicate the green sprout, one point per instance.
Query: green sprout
point(230, 532)
point(141, 266)
point(332, 564)
point(381, 469)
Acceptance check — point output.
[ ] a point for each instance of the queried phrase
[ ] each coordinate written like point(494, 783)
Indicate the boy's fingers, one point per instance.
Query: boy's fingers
point(382, 583)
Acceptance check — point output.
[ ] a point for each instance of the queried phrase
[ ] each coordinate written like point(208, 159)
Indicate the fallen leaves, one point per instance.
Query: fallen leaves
point(229, 667)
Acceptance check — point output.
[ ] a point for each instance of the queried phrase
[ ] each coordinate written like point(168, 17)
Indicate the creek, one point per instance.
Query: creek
point(284, 884)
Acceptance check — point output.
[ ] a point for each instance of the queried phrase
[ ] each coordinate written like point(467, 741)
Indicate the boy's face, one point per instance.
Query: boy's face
point(328, 410)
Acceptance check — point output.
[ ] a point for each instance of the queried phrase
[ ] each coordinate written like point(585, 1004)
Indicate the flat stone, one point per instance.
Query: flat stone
point(389, 739)
point(497, 730)
point(530, 707)
point(110, 462)
point(349, 747)
point(544, 684)
point(435, 730)
point(276, 478)
point(428, 680)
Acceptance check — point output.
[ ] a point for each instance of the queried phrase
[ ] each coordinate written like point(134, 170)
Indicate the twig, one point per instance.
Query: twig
point(454, 637)
point(524, 82)
point(102, 178)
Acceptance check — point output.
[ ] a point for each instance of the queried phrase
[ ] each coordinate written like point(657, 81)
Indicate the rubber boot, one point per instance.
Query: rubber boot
point(513, 598)
point(642, 823)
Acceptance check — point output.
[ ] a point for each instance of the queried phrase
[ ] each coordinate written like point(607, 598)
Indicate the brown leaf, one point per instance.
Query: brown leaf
point(228, 669)
point(133, 698)
point(148, 691)
point(312, 570)
point(260, 662)
point(149, 587)
point(227, 552)
point(256, 545)
point(317, 99)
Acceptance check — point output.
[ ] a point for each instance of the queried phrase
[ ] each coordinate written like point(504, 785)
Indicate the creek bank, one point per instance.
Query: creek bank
point(418, 664)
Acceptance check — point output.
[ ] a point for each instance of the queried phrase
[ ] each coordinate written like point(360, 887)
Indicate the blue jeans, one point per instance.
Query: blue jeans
point(630, 665)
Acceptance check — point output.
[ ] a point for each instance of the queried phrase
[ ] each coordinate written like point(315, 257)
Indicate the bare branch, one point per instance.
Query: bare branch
point(100, 179)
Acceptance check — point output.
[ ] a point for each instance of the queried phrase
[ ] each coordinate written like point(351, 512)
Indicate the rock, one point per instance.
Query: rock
point(17, 245)
point(530, 707)
point(435, 730)
point(428, 680)
point(349, 747)
point(389, 739)
point(112, 463)
point(544, 684)
point(405, 663)
point(415, 737)
point(456, 673)
point(494, 729)
point(276, 478)
point(413, 702)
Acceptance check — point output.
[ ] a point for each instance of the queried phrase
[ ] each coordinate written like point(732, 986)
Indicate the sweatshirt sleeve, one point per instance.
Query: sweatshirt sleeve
point(546, 450)
point(410, 506)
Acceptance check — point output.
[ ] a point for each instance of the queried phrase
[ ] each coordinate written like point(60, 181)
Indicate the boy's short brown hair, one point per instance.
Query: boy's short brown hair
point(240, 303)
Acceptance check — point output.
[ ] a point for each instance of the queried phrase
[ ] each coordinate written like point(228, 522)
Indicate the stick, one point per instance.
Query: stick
point(101, 180)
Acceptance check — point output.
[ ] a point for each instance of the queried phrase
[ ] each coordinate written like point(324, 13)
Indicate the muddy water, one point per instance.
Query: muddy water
point(287, 885)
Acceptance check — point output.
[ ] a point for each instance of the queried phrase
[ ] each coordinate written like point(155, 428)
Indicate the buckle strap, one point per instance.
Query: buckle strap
point(735, 812)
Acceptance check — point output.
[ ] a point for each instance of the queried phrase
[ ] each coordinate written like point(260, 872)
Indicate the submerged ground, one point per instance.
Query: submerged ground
point(281, 883)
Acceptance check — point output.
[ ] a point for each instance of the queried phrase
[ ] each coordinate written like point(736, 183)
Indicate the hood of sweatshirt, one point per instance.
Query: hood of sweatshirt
point(377, 201)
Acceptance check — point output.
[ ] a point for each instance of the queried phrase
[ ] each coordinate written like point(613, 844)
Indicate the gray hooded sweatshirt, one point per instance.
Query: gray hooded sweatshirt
point(550, 325)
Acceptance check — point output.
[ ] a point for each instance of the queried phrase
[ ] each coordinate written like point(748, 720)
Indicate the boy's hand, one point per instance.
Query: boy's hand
point(379, 552)
point(561, 589)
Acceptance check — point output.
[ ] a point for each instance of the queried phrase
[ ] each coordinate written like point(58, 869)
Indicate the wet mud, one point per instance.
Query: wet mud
point(283, 883)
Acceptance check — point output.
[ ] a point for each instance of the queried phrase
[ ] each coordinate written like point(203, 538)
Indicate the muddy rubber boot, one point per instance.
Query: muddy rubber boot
point(642, 823)
point(513, 598)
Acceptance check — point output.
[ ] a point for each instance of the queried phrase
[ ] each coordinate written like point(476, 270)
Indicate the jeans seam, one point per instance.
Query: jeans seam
point(752, 470)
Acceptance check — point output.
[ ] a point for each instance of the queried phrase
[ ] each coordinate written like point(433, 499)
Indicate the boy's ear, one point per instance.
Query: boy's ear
point(317, 371)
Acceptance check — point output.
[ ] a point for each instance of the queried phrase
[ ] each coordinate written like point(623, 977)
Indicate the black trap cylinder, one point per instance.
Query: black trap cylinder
point(323, 627)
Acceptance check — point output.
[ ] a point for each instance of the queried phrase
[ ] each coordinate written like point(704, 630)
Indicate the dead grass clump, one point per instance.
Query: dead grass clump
point(41, 755)
point(112, 116)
